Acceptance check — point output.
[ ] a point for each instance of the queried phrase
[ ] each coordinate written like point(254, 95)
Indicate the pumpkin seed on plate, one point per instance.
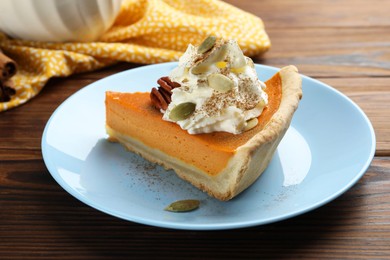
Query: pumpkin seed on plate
point(183, 205)
point(207, 44)
point(220, 82)
point(182, 111)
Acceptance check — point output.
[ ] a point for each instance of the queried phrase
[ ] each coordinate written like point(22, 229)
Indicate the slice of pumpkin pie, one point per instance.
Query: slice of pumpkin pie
point(211, 120)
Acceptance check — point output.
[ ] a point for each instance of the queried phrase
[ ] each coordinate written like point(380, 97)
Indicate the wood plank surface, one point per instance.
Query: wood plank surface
point(345, 44)
point(308, 13)
point(330, 52)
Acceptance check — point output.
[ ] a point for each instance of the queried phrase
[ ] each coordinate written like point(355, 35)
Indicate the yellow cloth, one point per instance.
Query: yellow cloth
point(146, 31)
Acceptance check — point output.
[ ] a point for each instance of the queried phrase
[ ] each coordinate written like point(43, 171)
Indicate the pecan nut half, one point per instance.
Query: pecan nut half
point(161, 96)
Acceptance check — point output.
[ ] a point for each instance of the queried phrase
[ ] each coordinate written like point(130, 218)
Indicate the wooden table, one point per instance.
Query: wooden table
point(344, 43)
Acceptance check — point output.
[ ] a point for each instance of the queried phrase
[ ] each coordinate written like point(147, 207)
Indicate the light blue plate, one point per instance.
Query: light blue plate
point(327, 149)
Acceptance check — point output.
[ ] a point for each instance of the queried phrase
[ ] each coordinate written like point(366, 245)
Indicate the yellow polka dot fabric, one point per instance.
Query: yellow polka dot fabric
point(145, 31)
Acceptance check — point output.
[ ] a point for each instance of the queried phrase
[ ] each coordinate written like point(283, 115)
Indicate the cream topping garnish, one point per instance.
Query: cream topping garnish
point(222, 85)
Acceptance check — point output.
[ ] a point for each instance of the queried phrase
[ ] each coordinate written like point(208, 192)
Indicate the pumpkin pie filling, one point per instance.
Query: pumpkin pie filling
point(132, 114)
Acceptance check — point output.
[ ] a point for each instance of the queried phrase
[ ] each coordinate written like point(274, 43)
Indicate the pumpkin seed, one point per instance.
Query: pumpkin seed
point(238, 58)
point(238, 61)
point(207, 44)
point(251, 123)
point(220, 82)
point(199, 69)
point(182, 111)
point(249, 62)
point(218, 55)
point(183, 205)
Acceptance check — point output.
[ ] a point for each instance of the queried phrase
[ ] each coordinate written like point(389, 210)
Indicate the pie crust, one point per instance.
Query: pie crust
point(246, 163)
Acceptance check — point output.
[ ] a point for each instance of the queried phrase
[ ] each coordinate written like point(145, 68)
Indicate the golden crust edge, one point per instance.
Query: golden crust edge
point(263, 145)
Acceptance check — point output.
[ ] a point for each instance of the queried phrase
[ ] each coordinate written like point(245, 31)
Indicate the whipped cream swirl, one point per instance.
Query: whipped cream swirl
point(223, 87)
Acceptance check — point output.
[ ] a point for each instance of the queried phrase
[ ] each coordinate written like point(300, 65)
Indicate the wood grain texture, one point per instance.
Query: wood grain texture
point(345, 44)
point(330, 52)
point(308, 13)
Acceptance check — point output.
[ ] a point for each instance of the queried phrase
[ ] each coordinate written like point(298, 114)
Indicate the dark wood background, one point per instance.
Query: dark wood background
point(344, 43)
